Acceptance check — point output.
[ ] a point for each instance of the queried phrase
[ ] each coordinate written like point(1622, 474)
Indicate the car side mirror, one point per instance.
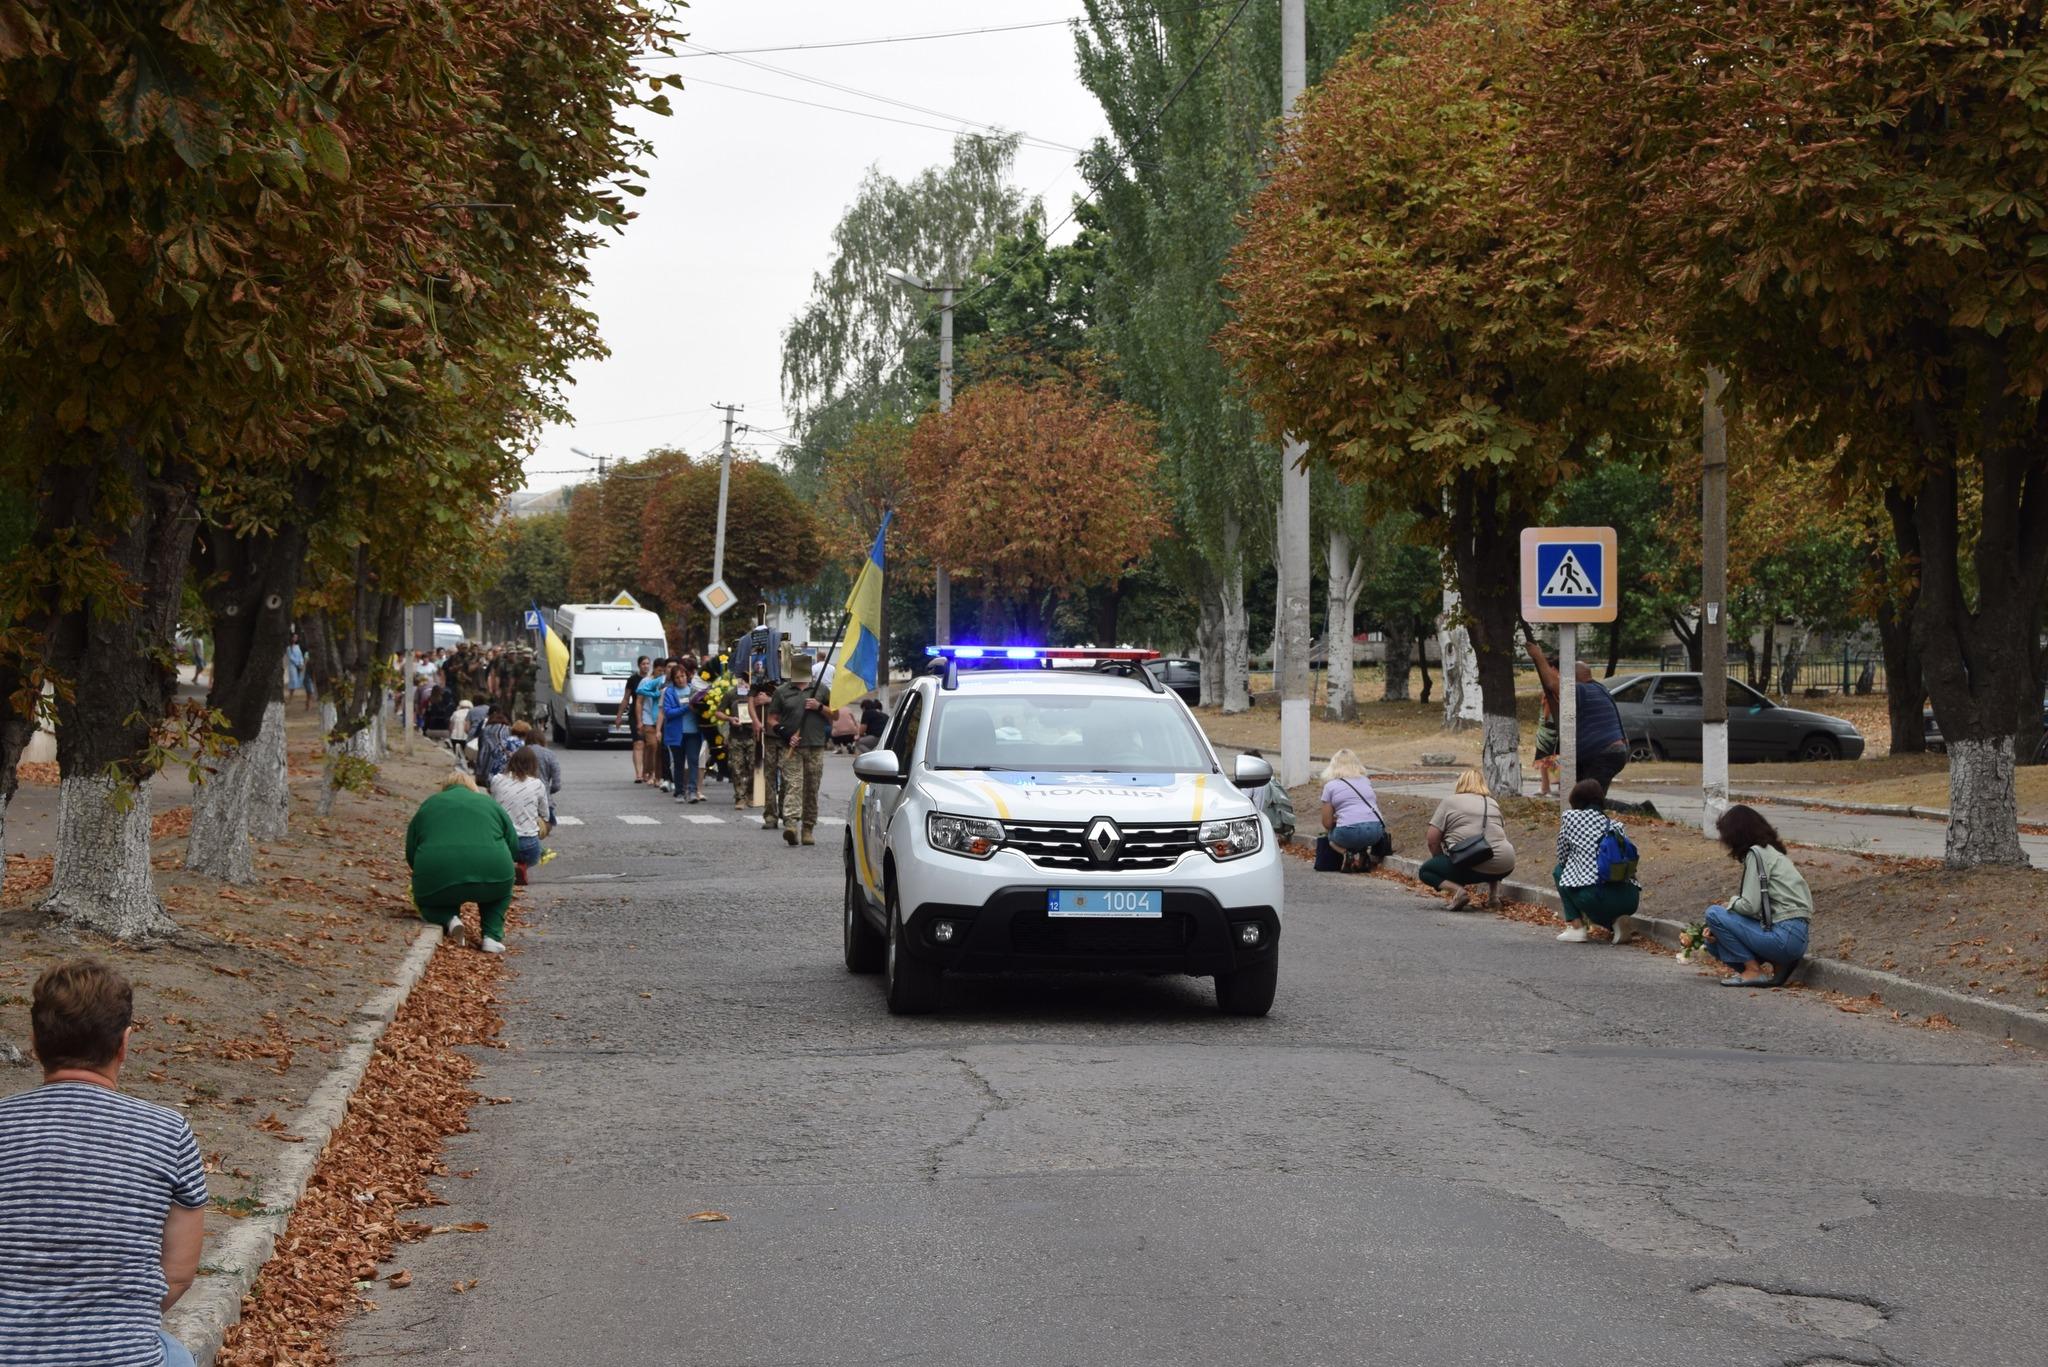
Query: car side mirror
point(1251, 772)
point(878, 766)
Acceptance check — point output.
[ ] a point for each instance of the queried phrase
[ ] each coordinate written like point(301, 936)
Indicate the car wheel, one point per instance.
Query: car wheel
point(865, 948)
point(1641, 751)
point(910, 985)
point(556, 731)
point(1818, 748)
point(1249, 991)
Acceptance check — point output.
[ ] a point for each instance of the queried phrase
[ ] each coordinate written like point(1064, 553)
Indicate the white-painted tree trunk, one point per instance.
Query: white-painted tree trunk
point(102, 881)
point(1237, 646)
point(1346, 583)
point(1460, 665)
point(270, 794)
point(1210, 632)
point(218, 845)
point(1500, 755)
point(1983, 804)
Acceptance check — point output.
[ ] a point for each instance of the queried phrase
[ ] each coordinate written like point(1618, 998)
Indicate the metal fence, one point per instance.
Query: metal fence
point(1845, 671)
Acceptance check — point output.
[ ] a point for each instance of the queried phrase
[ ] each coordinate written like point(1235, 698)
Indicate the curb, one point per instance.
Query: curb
point(1822, 804)
point(203, 1317)
point(1832, 975)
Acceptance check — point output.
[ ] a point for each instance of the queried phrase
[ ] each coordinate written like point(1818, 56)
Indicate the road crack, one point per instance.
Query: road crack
point(992, 1103)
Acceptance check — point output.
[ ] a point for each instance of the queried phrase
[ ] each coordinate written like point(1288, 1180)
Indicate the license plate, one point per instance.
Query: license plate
point(1093, 902)
point(621, 730)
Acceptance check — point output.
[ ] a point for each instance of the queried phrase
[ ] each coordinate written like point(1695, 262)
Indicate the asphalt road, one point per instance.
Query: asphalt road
point(1455, 1141)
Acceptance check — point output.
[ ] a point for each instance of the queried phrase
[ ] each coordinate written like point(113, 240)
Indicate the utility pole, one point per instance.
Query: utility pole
point(718, 541)
point(1292, 637)
point(1713, 603)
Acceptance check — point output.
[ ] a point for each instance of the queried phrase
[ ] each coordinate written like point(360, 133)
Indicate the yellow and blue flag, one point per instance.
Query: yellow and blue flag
point(860, 653)
point(556, 654)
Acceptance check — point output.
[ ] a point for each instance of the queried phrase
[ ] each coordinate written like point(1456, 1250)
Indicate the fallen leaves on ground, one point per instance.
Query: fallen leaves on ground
point(42, 774)
point(414, 1095)
point(710, 1217)
point(25, 874)
point(173, 822)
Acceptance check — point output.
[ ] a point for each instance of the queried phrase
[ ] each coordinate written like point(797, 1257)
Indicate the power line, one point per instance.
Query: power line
point(858, 93)
point(1024, 138)
point(922, 37)
point(1214, 43)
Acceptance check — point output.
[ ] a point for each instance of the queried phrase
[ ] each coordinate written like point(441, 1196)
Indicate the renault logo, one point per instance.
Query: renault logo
point(1104, 840)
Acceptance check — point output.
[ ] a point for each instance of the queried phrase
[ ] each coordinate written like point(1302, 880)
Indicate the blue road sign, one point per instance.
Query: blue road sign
point(533, 619)
point(1569, 574)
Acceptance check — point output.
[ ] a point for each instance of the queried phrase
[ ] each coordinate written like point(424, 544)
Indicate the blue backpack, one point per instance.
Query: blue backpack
point(1618, 855)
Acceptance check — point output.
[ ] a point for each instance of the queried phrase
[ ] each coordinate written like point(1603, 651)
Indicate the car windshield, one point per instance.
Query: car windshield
point(1071, 733)
point(614, 657)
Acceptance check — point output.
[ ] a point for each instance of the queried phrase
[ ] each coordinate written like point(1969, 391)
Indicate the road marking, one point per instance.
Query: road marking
point(705, 820)
point(568, 821)
point(635, 819)
point(831, 821)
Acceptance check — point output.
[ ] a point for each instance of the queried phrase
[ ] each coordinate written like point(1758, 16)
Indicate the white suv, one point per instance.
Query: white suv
point(1037, 819)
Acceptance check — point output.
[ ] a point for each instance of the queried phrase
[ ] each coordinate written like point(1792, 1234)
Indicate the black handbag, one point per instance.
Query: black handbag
point(1329, 859)
point(1478, 850)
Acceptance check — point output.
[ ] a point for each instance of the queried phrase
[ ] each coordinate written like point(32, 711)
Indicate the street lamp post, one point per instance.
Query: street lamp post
point(942, 625)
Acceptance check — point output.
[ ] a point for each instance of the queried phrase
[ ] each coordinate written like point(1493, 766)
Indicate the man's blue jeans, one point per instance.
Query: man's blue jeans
point(1738, 940)
point(174, 1352)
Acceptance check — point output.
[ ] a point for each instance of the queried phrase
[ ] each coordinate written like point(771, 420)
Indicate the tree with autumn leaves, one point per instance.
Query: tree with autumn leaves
point(1401, 307)
point(249, 248)
point(1031, 490)
point(1843, 207)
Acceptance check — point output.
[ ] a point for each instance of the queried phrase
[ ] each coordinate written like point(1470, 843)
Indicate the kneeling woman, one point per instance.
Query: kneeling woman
point(1351, 810)
point(1586, 896)
point(460, 846)
point(1467, 815)
point(1762, 931)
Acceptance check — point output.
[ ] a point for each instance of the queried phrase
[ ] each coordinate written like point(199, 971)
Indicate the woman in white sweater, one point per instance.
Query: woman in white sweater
point(519, 790)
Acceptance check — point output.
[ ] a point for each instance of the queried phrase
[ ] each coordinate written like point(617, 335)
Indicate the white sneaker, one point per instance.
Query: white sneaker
point(490, 946)
point(452, 933)
point(1573, 934)
point(1624, 929)
point(667, 787)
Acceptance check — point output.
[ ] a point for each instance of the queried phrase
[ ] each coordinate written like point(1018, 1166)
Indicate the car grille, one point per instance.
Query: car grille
point(1037, 933)
point(1063, 845)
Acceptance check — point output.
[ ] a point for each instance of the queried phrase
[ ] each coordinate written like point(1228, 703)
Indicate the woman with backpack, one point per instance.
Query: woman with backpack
point(1468, 843)
point(1595, 872)
point(1351, 811)
point(493, 746)
point(1762, 931)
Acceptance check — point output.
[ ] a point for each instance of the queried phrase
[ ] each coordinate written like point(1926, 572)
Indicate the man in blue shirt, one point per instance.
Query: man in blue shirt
point(1603, 747)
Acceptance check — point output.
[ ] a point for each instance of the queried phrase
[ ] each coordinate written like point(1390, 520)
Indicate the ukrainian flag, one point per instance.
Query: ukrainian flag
point(556, 653)
point(860, 655)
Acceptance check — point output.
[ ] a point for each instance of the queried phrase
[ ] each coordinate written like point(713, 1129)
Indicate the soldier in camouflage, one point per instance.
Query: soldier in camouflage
point(806, 720)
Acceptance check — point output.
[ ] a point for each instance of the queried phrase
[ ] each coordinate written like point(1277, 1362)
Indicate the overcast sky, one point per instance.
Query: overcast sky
point(745, 190)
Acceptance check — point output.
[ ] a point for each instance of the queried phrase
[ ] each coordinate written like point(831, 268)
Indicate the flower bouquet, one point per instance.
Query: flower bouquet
point(1692, 943)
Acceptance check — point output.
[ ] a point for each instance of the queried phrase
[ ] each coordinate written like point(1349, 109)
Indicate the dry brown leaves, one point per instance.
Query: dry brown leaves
point(26, 875)
point(376, 1166)
point(42, 774)
point(171, 823)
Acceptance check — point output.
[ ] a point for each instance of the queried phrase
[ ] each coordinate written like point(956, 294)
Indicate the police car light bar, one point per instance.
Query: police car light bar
point(1036, 653)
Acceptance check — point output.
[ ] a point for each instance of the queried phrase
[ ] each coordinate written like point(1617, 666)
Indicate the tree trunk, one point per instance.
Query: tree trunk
point(1486, 529)
point(1421, 634)
point(1613, 648)
point(1977, 663)
point(1904, 692)
point(270, 794)
point(1236, 624)
point(1463, 706)
point(1760, 670)
point(250, 584)
point(1346, 582)
point(1400, 641)
point(1209, 633)
point(1688, 634)
point(122, 687)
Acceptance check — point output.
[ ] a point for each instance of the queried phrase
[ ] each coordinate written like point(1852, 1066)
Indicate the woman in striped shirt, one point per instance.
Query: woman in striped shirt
point(1586, 896)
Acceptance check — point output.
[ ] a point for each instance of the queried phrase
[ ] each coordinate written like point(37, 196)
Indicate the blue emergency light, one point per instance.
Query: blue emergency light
point(948, 658)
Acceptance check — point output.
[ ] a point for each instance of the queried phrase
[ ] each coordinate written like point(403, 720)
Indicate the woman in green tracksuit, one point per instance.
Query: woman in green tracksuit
point(460, 847)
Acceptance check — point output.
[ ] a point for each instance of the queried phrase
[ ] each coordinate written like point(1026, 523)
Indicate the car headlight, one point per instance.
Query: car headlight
point(1232, 839)
point(973, 837)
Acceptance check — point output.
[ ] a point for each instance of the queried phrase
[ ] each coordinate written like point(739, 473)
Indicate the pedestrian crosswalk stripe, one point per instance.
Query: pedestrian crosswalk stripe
point(568, 821)
point(635, 819)
point(831, 821)
point(705, 820)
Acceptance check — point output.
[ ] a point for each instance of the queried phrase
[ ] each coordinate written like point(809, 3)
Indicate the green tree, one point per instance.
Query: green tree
point(1398, 306)
point(529, 566)
point(1865, 263)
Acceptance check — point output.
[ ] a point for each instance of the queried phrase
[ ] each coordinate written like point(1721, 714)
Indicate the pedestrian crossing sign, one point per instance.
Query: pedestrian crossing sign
point(1568, 574)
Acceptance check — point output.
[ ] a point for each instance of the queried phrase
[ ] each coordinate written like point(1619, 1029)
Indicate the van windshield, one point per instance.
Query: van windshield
point(1070, 733)
point(614, 657)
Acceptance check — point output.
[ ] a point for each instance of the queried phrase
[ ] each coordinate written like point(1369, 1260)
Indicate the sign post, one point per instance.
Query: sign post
point(1568, 577)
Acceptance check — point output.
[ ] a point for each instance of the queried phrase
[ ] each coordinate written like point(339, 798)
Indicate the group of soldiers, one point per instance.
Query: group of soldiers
point(501, 674)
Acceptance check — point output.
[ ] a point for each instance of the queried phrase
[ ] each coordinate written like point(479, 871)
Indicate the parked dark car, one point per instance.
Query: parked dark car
point(1935, 742)
point(1661, 714)
point(1181, 676)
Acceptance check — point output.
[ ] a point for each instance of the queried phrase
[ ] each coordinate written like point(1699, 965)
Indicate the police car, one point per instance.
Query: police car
point(1022, 816)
